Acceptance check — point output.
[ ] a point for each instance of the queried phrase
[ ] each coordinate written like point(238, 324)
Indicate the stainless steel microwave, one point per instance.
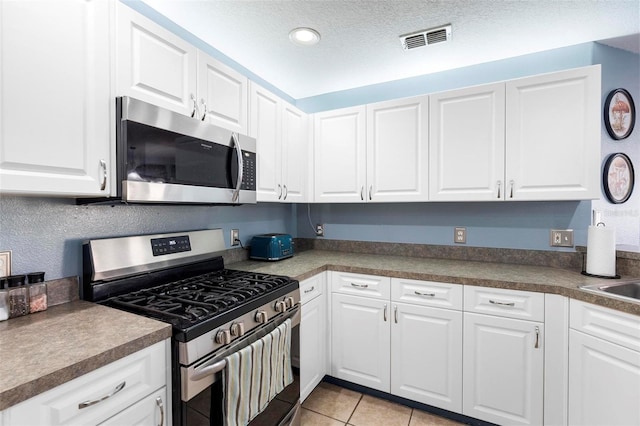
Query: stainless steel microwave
point(170, 158)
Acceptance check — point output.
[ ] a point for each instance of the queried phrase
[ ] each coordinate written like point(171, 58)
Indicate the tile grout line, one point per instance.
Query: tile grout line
point(355, 408)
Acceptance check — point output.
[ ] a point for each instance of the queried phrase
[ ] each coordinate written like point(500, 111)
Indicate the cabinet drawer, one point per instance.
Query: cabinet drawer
point(427, 293)
point(608, 324)
point(361, 285)
point(312, 287)
point(142, 373)
point(504, 302)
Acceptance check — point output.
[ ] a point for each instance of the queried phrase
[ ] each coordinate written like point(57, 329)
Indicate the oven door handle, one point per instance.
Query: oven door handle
point(209, 370)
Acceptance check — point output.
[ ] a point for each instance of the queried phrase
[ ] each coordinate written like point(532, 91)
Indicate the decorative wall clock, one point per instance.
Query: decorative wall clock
point(618, 178)
point(619, 114)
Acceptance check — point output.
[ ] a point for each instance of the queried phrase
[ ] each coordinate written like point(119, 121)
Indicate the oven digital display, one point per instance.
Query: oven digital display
point(171, 245)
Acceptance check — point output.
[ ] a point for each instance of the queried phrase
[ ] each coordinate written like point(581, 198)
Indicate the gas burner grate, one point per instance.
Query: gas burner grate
point(193, 300)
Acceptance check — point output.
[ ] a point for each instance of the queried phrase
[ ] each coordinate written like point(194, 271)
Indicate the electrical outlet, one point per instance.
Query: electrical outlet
point(460, 235)
point(320, 230)
point(561, 238)
point(235, 237)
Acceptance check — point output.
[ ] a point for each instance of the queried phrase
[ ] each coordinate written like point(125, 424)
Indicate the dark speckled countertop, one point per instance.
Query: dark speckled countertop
point(41, 351)
point(518, 277)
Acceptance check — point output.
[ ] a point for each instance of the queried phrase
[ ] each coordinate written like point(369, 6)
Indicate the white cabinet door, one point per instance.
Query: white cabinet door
point(360, 340)
point(56, 110)
point(312, 345)
point(340, 155)
point(153, 64)
point(266, 122)
point(503, 361)
point(397, 150)
point(466, 144)
point(295, 163)
point(604, 382)
point(553, 136)
point(151, 411)
point(222, 92)
point(426, 355)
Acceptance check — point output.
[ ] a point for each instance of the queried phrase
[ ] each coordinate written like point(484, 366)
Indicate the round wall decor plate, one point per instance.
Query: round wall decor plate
point(618, 178)
point(619, 114)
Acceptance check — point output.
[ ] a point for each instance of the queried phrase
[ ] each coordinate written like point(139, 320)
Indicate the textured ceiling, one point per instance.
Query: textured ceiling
point(360, 44)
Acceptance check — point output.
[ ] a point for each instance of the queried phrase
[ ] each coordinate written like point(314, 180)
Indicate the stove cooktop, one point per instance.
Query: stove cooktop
point(199, 304)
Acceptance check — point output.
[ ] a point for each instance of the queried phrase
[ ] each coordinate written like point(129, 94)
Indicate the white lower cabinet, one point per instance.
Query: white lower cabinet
point(604, 366)
point(129, 391)
point(503, 363)
point(399, 339)
point(426, 355)
point(503, 355)
point(313, 333)
point(360, 340)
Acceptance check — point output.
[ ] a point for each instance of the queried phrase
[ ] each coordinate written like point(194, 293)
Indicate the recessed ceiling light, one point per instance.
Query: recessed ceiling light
point(304, 36)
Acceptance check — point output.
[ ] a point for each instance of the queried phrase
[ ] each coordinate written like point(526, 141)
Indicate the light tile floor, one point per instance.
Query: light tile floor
point(331, 405)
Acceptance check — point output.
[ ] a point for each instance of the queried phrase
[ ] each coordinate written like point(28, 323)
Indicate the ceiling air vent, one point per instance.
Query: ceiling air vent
point(425, 37)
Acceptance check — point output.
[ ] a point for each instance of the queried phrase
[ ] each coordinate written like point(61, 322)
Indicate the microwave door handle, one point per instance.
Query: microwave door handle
point(236, 192)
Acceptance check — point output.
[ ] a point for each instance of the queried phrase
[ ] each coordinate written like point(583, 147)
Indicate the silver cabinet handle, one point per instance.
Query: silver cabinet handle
point(395, 313)
point(309, 290)
point(195, 106)
point(425, 294)
point(511, 184)
point(499, 184)
point(385, 312)
point(204, 109)
point(161, 407)
point(286, 191)
point(360, 285)
point(495, 302)
point(370, 191)
point(86, 404)
point(103, 167)
point(537, 345)
point(362, 193)
point(236, 192)
point(279, 191)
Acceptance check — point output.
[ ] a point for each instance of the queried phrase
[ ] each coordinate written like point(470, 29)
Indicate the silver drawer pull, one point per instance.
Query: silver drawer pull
point(309, 290)
point(493, 302)
point(425, 294)
point(537, 345)
point(161, 407)
point(86, 404)
point(360, 285)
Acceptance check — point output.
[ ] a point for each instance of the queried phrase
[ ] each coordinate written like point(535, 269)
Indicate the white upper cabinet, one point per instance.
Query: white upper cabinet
point(295, 151)
point(266, 127)
point(281, 133)
point(56, 109)
point(553, 136)
point(397, 150)
point(222, 93)
point(372, 153)
point(466, 144)
point(153, 64)
point(534, 138)
point(340, 155)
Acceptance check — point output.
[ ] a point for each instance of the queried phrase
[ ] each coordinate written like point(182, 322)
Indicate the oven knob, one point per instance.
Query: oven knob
point(262, 317)
point(289, 301)
point(223, 337)
point(237, 329)
point(280, 306)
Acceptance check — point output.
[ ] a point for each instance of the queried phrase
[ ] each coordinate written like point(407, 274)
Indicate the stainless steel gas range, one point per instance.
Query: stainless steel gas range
point(217, 315)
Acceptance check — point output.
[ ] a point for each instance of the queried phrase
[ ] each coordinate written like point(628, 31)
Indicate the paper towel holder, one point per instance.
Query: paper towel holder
point(584, 270)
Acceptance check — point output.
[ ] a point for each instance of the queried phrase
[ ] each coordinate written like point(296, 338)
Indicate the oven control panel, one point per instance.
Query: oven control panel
point(170, 245)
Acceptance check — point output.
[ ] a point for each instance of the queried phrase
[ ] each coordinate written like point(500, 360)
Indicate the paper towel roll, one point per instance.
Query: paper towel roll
point(601, 251)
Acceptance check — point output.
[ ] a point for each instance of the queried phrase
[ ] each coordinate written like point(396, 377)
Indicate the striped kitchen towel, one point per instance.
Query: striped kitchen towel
point(255, 374)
